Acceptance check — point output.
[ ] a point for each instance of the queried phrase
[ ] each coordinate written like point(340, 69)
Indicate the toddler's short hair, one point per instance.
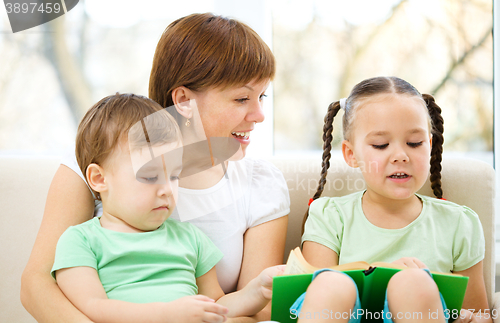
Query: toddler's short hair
point(109, 121)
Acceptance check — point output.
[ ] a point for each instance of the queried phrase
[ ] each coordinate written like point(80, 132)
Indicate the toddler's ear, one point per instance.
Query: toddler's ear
point(348, 152)
point(95, 178)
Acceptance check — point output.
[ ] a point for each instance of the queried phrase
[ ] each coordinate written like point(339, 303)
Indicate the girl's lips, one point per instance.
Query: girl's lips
point(161, 208)
point(399, 179)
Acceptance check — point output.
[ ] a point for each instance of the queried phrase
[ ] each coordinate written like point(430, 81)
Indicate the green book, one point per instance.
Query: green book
point(372, 283)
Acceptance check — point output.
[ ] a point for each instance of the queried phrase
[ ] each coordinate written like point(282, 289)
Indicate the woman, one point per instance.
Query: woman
point(225, 67)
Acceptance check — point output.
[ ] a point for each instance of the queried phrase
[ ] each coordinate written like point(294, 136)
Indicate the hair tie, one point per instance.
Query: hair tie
point(342, 103)
point(310, 201)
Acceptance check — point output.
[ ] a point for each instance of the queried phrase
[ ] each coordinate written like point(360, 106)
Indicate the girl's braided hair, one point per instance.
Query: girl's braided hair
point(364, 90)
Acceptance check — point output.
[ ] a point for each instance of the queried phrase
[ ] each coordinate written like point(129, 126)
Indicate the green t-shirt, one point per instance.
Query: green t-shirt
point(155, 266)
point(445, 236)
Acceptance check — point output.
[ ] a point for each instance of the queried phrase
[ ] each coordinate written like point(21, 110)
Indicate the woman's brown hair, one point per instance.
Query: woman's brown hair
point(364, 90)
point(204, 50)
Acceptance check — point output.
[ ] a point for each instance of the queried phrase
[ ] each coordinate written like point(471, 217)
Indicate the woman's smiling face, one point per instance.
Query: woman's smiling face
point(233, 111)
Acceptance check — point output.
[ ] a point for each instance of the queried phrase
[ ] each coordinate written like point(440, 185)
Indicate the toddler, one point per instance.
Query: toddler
point(134, 264)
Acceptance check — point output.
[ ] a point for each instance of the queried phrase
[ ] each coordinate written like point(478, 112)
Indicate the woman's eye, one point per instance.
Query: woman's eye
point(262, 96)
point(242, 100)
point(415, 144)
point(380, 146)
point(174, 178)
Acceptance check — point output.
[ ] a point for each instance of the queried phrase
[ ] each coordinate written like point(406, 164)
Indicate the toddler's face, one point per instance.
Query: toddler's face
point(143, 197)
point(391, 143)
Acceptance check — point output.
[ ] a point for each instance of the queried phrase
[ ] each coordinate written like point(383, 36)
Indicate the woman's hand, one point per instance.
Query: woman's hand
point(410, 262)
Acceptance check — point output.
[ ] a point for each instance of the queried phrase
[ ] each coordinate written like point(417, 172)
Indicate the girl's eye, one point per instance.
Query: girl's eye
point(380, 146)
point(174, 178)
point(415, 144)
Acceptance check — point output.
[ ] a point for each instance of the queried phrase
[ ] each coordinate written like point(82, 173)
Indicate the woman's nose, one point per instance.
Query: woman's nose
point(256, 112)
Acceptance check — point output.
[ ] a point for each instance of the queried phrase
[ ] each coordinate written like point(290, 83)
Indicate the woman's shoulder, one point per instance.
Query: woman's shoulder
point(257, 167)
point(261, 175)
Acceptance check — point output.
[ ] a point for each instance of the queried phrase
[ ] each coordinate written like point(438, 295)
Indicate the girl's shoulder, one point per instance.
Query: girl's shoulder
point(340, 204)
point(448, 210)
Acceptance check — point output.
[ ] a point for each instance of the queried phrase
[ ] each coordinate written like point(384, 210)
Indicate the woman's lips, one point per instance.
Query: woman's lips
point(242, 136)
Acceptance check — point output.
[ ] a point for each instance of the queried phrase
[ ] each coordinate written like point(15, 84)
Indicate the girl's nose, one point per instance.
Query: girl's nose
point(400, 155)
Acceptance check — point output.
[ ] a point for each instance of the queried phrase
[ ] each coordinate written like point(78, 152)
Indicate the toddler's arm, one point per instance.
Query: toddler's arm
point(82, 287)
point(248, 301)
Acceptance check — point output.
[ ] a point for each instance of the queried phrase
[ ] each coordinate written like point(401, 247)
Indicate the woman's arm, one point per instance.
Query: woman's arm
point(475, 295)
point(69, 202)
point(263, 246)
point(247, 301)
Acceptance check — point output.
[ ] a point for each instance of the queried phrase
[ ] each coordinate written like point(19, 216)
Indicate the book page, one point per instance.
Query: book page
point(297, 264)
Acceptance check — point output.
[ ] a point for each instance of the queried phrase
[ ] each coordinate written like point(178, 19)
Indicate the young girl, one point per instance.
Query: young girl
point(395, 136)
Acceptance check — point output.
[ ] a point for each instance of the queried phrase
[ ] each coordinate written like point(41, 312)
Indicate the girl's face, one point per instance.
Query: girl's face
point(391, 144)
point(232, 112)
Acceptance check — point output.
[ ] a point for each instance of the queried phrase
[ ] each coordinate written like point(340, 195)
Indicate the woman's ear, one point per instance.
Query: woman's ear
point(95, 178)
point(181, 96)
point(348, 152)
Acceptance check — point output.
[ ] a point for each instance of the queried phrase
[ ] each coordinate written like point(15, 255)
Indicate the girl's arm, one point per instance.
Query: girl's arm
point(475, 295)
point(248, 301)
point(263, 246)
point(82, 286)
point(318, 255)
point(69, 202)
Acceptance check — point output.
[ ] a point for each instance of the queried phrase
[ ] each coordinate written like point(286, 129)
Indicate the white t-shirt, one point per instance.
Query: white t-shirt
point(252, 192)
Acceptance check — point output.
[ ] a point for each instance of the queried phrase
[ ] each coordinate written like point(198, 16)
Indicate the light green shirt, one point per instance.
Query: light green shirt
point(155, 266)
point(445, 236)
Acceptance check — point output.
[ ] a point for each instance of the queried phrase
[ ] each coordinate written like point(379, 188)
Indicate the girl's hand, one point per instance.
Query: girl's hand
point(265, 280)
point(410, 262)
point(465, 317)
point(196, 308)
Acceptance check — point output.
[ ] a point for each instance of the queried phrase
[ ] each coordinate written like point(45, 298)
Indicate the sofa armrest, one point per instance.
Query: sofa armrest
point(495, 308)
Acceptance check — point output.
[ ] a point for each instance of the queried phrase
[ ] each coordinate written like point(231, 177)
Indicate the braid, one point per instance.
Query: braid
point(333, 109)
point(437, 144)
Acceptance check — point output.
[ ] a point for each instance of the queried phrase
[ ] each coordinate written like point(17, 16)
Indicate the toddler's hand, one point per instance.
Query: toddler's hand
point(410, 262)
point(196, 308)
point(265, 280)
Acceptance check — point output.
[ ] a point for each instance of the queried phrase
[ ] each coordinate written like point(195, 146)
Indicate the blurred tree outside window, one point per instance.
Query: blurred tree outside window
point(442, 47)
point(52, 74)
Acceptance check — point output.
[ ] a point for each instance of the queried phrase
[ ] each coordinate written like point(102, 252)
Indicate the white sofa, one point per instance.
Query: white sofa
point(24, 183)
